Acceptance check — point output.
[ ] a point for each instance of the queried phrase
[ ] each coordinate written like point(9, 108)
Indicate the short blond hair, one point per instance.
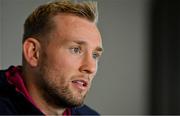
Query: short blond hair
point(40, 21)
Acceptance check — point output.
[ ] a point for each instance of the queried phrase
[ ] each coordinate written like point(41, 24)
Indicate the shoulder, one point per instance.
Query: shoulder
point(2, 77)
point(84, 110)
point(3, 80)
point(5, 87)
point(6, 107)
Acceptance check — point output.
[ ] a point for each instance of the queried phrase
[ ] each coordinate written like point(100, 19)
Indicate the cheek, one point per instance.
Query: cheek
point(61, 69)
point(64, 63)
point(61, 61)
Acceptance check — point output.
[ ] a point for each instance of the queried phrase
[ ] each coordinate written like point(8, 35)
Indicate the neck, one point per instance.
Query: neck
point(38, 98)
point(42, 104)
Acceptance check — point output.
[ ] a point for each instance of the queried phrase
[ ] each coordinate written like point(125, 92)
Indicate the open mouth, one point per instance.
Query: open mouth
point(80, 84)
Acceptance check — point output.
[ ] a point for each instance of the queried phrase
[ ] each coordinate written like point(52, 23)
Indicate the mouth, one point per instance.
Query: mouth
point(80, 84)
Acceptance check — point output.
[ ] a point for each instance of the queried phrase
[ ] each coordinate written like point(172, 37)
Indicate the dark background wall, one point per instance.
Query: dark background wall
point(0, 33)
point(165, 57)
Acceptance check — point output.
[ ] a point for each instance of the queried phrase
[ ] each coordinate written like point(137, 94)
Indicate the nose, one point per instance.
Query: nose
point(88, 65)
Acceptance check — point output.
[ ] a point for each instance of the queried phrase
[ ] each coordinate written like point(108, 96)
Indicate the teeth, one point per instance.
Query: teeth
point(80, 82)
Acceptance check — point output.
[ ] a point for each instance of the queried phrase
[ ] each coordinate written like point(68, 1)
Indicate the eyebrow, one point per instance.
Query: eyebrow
point(99, 49)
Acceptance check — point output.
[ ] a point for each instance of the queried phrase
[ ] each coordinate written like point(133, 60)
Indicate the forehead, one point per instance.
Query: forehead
point(70, 27)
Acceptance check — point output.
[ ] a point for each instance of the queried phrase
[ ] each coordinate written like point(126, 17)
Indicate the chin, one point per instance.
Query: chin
point(78, 99)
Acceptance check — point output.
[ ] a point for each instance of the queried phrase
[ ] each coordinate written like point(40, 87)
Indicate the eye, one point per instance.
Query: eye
point(96, 55)
point(75, 50)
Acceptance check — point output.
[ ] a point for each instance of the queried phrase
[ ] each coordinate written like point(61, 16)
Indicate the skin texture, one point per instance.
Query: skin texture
point(59, 74)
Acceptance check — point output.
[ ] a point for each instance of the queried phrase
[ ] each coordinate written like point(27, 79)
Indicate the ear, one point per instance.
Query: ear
point(31, 51)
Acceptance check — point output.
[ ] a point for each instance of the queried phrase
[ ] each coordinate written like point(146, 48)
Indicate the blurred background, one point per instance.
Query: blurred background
point(139, 72)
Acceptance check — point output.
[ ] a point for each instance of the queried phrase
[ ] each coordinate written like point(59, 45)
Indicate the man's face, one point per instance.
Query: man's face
point(69, 61)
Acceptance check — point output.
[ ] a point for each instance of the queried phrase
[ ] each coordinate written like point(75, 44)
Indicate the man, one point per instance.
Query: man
point(61, 49)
